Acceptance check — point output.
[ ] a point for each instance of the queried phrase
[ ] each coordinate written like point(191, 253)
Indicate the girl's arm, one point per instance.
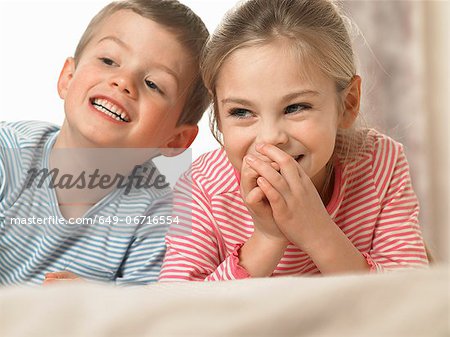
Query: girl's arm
point(260, 255)
point(198, 255)
point(195, 249)
point(397, 241)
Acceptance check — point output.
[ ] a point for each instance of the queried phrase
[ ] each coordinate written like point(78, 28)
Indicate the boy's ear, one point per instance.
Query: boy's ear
point(219, 124)
point(180, 141)
point(66, 76)
point(352, 100)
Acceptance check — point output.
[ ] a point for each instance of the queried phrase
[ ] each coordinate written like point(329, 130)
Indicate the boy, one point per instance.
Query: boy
point(133, 83)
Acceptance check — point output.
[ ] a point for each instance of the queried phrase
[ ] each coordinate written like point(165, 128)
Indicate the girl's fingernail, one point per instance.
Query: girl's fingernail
point(249, 158)
point(259, 146)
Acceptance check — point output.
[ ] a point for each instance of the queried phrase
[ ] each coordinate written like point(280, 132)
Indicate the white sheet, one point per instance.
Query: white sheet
point(408, 303)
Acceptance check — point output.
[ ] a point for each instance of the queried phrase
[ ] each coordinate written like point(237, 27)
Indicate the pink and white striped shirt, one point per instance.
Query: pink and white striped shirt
point(373, 203)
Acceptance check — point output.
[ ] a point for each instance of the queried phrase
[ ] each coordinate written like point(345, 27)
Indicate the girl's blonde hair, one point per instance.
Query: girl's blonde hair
point(184, 23)
point(315, 30)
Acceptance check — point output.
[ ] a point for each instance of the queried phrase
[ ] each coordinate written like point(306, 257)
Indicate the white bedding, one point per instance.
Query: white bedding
point(407, 303)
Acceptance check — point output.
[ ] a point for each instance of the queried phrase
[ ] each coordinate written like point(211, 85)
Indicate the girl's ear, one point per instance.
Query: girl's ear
point(183, 137)
point(352, 100)
point(65, 77)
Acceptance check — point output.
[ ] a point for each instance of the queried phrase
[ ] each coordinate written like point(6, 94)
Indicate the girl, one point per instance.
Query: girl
point(296, 188)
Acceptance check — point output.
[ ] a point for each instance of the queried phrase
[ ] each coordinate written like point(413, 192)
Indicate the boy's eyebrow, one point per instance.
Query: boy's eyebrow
point(115, 39)
point(287, 97)
point(124, 45)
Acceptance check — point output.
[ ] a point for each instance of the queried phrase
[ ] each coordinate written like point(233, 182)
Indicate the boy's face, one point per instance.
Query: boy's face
point(128, 88)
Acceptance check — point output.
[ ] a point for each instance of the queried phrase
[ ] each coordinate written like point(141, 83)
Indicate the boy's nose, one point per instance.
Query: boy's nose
point(124, 84)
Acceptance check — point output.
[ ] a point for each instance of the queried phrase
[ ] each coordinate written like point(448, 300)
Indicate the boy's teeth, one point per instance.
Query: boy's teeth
point(110, 109)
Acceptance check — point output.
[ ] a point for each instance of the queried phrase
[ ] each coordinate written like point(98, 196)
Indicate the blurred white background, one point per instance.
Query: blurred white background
point(36, 37)
point(403, 56)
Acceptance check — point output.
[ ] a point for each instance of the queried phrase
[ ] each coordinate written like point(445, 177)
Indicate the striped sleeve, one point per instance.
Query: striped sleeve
point(144, 257)
point(397, 241)
point(2, 179)
point(6, 141)
point(194, 250)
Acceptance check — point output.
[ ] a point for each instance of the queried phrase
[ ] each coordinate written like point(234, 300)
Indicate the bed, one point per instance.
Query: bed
point(404, 303)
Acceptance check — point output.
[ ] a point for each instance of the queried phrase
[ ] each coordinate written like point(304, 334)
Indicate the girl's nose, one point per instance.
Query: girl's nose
point(273, 133)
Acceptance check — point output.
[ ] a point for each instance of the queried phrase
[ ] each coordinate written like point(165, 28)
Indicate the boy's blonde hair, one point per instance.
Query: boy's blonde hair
point(315, 31)
point(184, 23)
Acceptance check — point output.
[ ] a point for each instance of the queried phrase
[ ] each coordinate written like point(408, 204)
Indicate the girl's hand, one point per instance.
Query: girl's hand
point(301, 216)
point(57, 277)
point(257, 203)
point(296, 206)
point(262, 252)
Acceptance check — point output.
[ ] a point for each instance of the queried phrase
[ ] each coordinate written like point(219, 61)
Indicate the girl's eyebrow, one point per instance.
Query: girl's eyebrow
point(287, 97)
point(236, 101)
point(301, 93)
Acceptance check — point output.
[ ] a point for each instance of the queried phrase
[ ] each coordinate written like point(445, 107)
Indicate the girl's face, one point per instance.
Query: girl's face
point(262, 98)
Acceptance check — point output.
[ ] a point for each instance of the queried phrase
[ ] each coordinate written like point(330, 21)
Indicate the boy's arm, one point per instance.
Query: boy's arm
point(2, 165)
point(2, 191)
point(2, 179)
point(5, 134)
point(142, 263)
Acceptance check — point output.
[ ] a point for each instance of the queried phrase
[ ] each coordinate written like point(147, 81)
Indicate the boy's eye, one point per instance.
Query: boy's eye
point(296, 108)
point(152, 85)
point(240, 113)
point(107, 61)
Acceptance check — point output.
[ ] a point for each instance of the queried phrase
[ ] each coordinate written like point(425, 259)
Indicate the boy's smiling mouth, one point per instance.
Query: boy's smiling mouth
point(110, 109)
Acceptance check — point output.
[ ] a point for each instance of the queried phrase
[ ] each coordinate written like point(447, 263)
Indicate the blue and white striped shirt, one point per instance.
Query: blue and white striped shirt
point(118, 250)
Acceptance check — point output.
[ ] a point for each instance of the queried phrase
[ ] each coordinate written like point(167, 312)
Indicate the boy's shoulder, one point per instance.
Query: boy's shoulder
point(21, 134)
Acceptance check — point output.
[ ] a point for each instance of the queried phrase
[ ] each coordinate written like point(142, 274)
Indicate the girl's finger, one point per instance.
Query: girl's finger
point(266, 170)
point(255, 197)
point(276, 200)
point(275, 166)
point(288, 165)
point(248, 178)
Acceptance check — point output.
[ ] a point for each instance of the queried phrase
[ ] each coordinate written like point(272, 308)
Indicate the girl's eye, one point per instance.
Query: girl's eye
point(296, 108)
point(107, 61)
point(152, 85)
point(240, 113)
